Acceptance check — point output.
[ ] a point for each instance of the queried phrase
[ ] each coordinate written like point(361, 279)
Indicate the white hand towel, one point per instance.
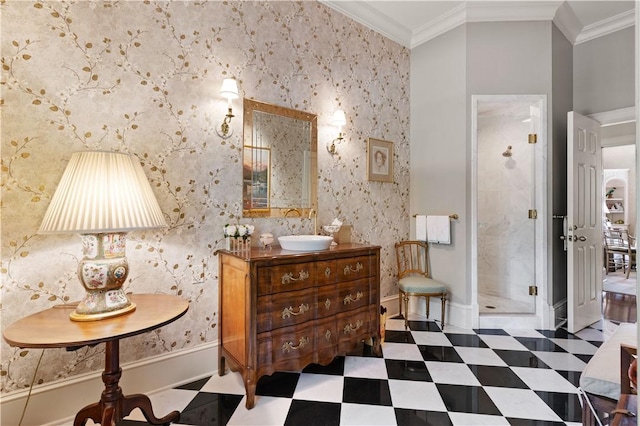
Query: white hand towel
point(421, 227)
point(439, 229)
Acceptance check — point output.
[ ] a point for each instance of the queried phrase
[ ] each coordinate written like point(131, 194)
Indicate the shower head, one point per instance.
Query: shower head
point(507, 153)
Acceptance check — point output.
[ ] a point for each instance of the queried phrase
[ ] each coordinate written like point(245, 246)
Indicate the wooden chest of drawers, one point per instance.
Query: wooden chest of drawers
point(282, 310)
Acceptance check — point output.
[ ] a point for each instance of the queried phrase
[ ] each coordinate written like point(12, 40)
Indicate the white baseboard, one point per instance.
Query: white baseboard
point(466, 316)
point(58, 402)
point(456, 314)
point(391, 303)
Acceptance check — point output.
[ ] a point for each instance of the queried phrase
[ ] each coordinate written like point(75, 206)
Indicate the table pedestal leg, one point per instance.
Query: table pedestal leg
point(113, 405)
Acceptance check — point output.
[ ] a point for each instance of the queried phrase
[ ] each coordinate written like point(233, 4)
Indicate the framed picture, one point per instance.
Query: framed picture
point(379, 160)
point(256, 178)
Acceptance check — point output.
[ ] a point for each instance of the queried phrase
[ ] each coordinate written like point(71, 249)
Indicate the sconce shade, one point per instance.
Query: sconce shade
point(339, 118)
point(102, 192)
point(229, 89)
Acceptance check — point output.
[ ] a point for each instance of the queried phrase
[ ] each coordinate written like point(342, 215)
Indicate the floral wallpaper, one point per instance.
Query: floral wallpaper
point(144, 78)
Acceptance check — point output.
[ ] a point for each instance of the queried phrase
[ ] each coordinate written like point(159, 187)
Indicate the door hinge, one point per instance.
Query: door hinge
point(533, 290)
point(533, 138)
point(533, 214)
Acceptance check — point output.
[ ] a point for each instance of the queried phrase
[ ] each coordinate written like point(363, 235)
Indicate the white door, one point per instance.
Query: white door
point(584, 214)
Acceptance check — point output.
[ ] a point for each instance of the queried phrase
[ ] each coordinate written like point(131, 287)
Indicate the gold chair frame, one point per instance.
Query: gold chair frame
point(413, 260)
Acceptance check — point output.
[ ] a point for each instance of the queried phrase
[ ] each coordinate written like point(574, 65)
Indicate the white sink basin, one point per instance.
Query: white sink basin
point(305, 242)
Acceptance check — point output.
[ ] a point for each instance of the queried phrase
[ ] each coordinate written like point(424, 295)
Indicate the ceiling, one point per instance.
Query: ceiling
point(412, 23)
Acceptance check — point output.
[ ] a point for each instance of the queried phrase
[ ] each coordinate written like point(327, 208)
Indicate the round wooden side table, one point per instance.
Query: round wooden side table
point(52, 328)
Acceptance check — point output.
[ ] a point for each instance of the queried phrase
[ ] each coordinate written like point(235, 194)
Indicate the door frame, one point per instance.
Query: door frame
point(538, 320)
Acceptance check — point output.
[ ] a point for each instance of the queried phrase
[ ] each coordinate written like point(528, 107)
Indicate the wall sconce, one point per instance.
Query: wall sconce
point(339, 119)
point(229, 90)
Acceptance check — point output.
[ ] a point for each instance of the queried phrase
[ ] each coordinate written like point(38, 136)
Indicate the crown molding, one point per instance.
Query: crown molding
point(616, 116)
point(607, 26)
point(567, 22)
point(442, 24)
point(372, 18)
point(482, 11)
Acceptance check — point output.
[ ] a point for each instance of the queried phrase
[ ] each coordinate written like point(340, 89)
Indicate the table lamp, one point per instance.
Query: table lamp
point(102, 196)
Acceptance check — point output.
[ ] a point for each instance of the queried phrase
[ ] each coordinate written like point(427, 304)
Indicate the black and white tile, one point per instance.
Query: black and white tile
point(425, 377)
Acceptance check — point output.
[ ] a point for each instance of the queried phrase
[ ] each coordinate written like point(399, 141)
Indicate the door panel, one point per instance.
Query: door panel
point(584, 236)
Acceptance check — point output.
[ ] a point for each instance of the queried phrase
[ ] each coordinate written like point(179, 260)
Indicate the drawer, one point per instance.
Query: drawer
point(285, 309)
point(353, 327)
point(326, 340)
point(354, 268)
point(326, 272)
point(327, 301)
point(295, 276)
point(288, 348)
point(354, 294)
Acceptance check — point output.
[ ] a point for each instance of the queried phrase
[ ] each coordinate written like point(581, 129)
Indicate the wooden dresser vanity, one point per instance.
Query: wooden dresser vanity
point(282, 310)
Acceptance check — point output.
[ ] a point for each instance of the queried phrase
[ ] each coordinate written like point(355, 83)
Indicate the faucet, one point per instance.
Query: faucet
point(286, 213)
point(314, 213)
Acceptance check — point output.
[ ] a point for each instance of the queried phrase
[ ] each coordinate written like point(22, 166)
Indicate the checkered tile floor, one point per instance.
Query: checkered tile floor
point(425, 377)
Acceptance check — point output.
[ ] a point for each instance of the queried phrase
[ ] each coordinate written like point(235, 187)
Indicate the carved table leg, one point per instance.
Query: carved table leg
point(143, 402)
point(114, 406)
point(250, 383)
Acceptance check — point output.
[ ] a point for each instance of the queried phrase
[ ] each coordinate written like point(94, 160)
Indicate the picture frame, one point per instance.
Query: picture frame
point(256, 177)
point(379, 160)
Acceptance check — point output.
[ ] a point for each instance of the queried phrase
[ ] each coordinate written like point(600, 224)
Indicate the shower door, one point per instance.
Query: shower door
point(506, 204)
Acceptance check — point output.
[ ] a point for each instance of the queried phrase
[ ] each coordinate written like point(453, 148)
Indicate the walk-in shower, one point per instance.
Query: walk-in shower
point(508, 165)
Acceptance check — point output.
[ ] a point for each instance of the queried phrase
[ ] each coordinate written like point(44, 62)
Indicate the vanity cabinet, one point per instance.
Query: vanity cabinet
point(282, 310)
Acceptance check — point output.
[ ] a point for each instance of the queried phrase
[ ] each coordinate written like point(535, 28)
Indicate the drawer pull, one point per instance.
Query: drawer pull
point(327, 272)
point(288, 277)
point(327, 335)
point(327, 304)
point(289, 346)
point(350, 328)
point(348, 269)
point(349, 298)
point(287, 312)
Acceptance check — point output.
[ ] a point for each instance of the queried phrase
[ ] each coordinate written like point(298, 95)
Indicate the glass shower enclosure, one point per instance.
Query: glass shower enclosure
point(506, 185)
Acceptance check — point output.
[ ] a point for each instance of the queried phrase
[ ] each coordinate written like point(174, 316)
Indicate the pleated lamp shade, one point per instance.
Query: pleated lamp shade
point(102, 192)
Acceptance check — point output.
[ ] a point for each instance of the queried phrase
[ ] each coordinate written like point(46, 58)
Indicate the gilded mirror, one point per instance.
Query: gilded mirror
point(279, 167)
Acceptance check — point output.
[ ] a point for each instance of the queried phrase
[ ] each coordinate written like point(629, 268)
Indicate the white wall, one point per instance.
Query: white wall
point(478, 58)
point(439, 152)
point(561, 102)
point(604, 73)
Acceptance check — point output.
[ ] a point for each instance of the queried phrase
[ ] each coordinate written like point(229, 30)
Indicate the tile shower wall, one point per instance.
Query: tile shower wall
point(143, 78)
point(505, 234)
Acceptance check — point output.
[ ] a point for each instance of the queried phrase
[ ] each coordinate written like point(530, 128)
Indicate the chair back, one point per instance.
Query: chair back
point(616, 240)
point(412, 258)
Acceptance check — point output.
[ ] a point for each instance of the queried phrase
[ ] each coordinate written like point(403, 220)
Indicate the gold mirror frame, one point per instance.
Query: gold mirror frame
point(279, 154)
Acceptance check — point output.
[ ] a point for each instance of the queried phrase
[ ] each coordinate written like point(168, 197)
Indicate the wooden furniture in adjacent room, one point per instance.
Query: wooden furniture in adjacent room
point(414, 278)
point(282, 310)
point(620, 251)
point(52, 328)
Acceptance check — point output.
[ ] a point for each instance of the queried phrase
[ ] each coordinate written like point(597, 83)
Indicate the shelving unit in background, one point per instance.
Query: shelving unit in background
point(616, 181)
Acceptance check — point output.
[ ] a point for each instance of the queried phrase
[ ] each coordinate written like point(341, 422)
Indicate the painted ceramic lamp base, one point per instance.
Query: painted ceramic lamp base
point(103, 271)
